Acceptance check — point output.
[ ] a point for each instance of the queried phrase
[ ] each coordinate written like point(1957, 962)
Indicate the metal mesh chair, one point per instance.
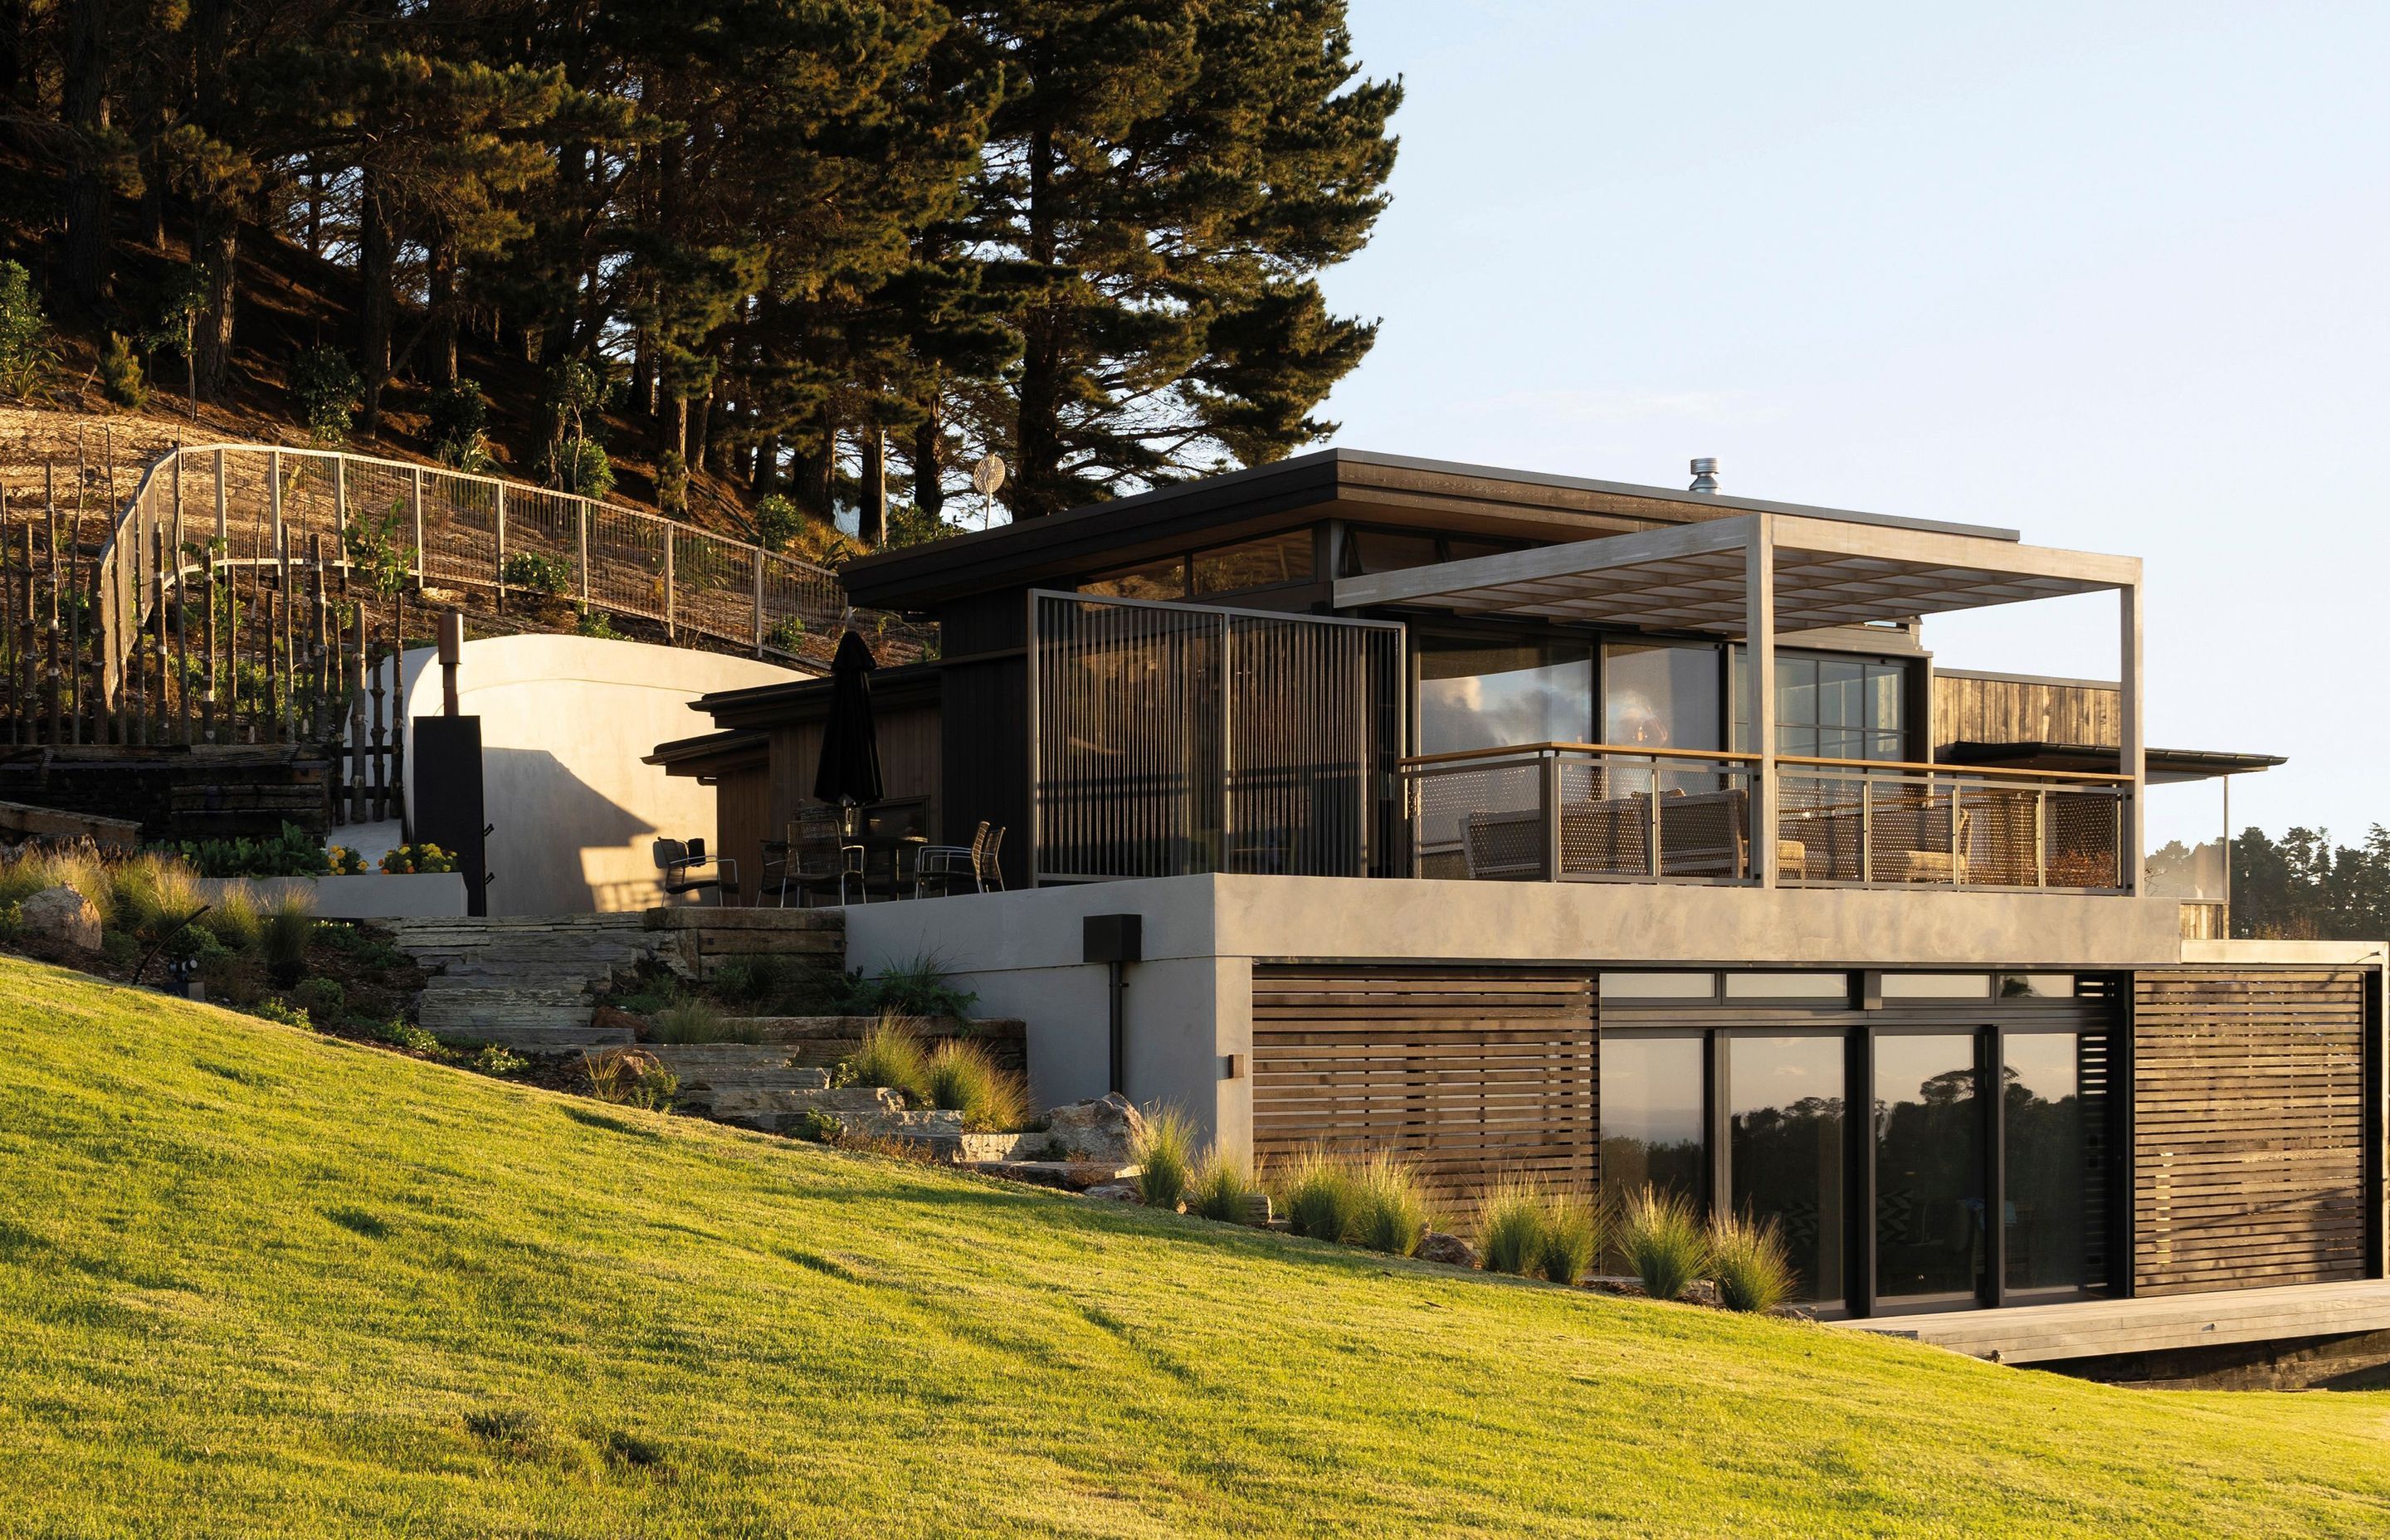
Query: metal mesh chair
point(680, 861)
point(814, 857)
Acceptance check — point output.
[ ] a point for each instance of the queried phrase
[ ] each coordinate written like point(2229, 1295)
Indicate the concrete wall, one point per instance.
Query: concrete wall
point(565, 720)
point(1190, 1002)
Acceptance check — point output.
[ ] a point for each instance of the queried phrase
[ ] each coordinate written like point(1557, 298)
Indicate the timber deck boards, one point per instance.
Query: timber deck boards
point(2090, 1329)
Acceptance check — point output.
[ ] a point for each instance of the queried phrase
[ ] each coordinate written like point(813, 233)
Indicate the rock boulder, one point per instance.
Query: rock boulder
point(1450, 1249)
point(1105, 1129)
point(62, 915)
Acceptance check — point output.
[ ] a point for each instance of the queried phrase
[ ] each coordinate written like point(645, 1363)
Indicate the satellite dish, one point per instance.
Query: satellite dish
point(988, 475)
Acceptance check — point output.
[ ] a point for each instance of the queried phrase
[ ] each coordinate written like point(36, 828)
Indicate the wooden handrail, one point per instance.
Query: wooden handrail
point(1865, 766)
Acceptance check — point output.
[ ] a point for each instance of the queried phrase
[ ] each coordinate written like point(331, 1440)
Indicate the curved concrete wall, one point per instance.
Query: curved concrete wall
point(565, 720)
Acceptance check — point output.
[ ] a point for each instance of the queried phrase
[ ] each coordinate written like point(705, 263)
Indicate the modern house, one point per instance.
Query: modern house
point(1447, 825)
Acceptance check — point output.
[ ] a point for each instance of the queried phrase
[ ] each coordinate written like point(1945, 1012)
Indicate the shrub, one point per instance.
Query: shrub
point(1223, 1189)
point(890, 1055)
point(1748, 1260)
point(1662, 1239)
point(750, 981)
point(323, 997)
point(25, 349)
point(630, 1077)
point(788, 635)
point(459, 416)
point(1392, 1214)
point(279, 1011)
point(672, 484)
point(961, 1077)
point(916, 988)
point(1320, 1195)
point(329, 392)
point(292, 852)
point(693, 1020)
point(597, 625)
point(541, 574)
point(1510, 1229)
point(584, 467)
point(776, 521)
point(1573, 1234)
point(345, 861)
point(377, 549)
point(120, 374)
point(496, 1060)
point(1164, 1152)
point(407, 1035)
point(407, 859)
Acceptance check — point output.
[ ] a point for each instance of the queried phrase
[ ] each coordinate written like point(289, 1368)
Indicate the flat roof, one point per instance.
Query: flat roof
point(1357, 484)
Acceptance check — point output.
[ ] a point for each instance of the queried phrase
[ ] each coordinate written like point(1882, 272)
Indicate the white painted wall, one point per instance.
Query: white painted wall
point(565, 720)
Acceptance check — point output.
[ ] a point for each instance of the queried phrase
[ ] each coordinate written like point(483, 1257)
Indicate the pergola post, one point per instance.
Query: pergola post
point(2131, 758)
point(1759, 643)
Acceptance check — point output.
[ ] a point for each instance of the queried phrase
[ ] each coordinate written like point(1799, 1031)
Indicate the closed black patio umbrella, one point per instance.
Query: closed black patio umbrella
point(849, 773)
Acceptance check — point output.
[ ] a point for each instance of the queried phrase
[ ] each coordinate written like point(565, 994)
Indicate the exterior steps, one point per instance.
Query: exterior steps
point(526, 981)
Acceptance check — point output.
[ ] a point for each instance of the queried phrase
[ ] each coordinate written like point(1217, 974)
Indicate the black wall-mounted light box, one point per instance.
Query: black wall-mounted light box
point(1114, 938)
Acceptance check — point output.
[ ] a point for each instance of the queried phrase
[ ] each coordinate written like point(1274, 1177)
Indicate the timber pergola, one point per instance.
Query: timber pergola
point(1760, 575)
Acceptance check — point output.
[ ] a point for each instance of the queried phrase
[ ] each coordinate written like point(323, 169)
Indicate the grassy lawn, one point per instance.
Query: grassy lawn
point(253, 1281)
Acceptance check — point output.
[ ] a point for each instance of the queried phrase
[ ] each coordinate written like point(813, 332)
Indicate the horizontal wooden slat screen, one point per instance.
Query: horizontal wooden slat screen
point(2248, 1128)
point(1468, 1073)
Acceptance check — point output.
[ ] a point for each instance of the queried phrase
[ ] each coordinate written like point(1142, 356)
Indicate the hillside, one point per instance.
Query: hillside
point(257, 1282)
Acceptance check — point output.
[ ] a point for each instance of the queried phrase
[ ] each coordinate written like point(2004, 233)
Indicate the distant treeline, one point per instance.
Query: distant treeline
point(782, 233)
point(2306, 888)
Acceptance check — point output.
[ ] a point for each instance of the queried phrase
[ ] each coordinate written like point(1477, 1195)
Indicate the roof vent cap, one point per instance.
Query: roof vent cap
point(1704, 475)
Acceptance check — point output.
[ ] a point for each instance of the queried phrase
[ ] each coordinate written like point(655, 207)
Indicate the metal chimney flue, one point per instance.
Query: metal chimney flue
point(1704, 475)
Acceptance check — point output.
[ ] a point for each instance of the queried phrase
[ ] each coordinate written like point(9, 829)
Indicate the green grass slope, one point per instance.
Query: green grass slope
point(257, 1282)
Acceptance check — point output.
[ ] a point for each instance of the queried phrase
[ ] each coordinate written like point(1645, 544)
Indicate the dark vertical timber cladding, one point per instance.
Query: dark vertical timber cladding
point(1468, 1073)
point(983, 725)
point(2249, 1128)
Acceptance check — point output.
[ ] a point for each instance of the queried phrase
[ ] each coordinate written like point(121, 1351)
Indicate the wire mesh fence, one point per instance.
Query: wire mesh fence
point(1860, 826)
point(1565, 812)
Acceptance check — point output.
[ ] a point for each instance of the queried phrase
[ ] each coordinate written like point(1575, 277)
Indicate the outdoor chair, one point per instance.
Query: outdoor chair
point(814, 857)
point(680, 861)
point(945, 865)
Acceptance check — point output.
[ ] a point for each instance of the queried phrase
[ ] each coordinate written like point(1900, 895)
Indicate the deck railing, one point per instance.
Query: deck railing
point(1577, 812)
point(249, 506)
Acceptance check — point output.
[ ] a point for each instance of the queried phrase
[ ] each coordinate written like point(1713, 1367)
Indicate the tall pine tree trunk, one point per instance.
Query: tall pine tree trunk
point(82, 101)
point(218, 250)
point(443, 321)
point(376, 274)
point(1037, 438)
point(929, 467)
point(871, 491)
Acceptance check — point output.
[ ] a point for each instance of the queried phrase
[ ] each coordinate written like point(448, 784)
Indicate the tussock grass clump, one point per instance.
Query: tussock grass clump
point(290, 924)
point(234, 919)
point(891, 1055)
point(1748, 1261)
point(1663, 1240)
point(630, 1077)
point(693, 1019)
point(81, 869)
point(1572, 1239)
point(1510, 1227)
point(1223, 1189)
point(1164, 1152)
point(961, 1077)
point(1393, 1213)
point(1320, 1194)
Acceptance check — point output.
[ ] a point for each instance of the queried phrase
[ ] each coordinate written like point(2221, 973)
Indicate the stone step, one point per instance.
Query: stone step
point(548, 1039)
point(933, 1129)
point(468, 995)
point(738, 1066)
point(848, 1101)
point(481, 1020)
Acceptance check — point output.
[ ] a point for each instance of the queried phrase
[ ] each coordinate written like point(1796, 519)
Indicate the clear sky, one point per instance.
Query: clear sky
point(2112, 274)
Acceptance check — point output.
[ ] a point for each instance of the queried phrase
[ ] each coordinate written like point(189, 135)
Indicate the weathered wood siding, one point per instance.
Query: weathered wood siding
point(1468, 1073)
point(1970, 710)
point(743, 821)
point(2248, 1128)
point(909, 762)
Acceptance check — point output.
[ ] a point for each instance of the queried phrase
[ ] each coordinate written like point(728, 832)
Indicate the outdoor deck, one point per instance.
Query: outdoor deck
point(2092, 1328)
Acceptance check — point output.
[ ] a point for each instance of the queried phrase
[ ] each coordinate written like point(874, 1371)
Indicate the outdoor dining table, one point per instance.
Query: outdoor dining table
point(895, 846)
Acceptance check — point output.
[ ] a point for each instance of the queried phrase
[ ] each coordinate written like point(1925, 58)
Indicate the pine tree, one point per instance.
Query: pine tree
point(1163, 183)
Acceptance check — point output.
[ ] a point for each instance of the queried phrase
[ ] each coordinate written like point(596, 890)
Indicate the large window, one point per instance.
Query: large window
point(1221, 570)
point(2053, 1159)
point(1491, 695)
point(1660, 697)
point(1929, 1167)
point(1654, 1112)
point(1784, 1100)
point(1829, 708)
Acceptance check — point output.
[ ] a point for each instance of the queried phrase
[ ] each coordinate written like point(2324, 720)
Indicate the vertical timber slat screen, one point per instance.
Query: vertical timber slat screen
point(1470, 1075)
point(1171, 738)
point(2248, 1128)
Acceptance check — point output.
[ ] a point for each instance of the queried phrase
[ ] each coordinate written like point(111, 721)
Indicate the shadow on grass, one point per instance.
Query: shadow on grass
point(610, 1122)
point(358, 1222)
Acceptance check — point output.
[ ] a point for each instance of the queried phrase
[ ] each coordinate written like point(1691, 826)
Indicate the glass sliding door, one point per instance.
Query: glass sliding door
point(1493, 695)
point(1784, 1101)
point(2053, 1203)
point(1654, 1112)
point(1929, 1168)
